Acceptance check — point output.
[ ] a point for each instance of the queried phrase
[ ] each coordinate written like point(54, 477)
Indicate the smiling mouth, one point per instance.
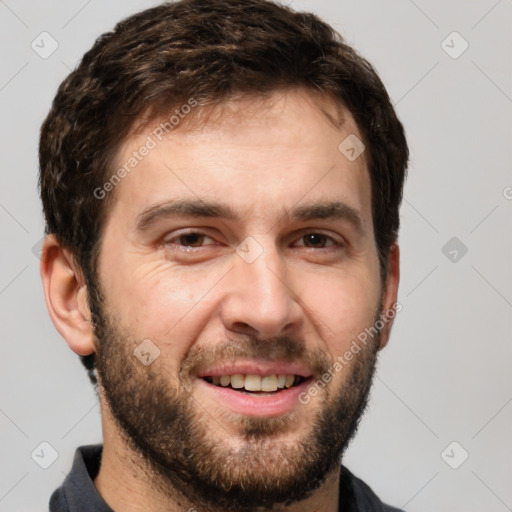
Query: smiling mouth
point(256, 384)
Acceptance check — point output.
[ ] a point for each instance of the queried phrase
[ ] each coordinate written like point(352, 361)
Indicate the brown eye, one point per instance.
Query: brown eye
point(192, 239)
point(316, 240)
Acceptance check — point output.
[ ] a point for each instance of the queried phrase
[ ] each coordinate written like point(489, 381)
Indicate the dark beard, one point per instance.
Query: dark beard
point(166, 426)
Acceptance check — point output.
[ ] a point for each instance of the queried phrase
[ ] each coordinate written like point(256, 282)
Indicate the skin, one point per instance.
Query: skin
point(261, 157)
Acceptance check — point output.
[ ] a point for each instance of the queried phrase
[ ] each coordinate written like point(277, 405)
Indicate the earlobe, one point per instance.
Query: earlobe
point(390, 306)
point(66, 296)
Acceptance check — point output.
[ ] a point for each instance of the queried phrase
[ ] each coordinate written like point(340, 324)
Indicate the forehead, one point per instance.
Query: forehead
point(260, 155)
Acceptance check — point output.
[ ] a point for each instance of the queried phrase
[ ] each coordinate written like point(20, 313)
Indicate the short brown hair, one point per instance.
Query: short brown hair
point(208, 49)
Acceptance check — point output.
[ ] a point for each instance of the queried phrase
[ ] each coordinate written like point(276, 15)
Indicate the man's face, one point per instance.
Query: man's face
point(242, 246)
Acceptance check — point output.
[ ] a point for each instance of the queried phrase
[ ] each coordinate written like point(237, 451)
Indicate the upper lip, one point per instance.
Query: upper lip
point(261, 368)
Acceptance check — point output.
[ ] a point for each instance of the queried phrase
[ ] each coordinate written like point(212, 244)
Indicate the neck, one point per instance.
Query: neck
point(124, 484)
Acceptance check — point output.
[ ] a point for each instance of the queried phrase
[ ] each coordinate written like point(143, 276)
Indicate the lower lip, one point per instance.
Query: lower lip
point(256, 405)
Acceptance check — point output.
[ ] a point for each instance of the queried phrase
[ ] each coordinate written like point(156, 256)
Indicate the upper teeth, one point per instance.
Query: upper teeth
point(255, 382)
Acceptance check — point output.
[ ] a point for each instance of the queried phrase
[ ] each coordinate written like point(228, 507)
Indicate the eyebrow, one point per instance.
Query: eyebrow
point(183, 208)
point(331, 210)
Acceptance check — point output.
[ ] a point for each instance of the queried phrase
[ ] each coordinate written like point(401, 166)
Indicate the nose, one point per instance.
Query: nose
point(259, 300)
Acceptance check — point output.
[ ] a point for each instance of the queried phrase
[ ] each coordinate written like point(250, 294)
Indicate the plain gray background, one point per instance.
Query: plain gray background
point(444, 377)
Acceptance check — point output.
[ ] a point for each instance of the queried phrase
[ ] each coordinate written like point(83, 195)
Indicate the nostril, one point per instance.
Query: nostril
point(243, 328)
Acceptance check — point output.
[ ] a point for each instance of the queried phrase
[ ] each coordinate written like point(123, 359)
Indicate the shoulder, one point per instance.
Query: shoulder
point(363, 497)
point(78, 493)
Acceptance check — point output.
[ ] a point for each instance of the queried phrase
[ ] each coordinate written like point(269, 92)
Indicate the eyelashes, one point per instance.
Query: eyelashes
point(194, 240)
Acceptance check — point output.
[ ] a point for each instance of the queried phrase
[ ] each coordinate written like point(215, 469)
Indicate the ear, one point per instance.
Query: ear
point(66, 296)
point(389, 301)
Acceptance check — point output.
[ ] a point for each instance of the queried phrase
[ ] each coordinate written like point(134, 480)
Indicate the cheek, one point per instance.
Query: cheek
point(341, 305)
point(165, 303)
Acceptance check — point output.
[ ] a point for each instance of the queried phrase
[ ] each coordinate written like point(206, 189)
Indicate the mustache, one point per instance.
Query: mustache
point(278, 348)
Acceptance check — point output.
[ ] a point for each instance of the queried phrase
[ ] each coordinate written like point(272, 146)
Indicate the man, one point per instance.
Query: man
point(221, 182)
